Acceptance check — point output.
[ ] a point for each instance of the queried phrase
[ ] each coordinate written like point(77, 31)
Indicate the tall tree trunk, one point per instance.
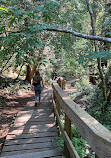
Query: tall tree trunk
point(99, 59)
point(33, 70)
point(28, 74)
point(35, 66)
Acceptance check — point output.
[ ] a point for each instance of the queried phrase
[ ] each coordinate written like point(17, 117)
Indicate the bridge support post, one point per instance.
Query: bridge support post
point(54, 98)
point(67, 128)
point(58, 109)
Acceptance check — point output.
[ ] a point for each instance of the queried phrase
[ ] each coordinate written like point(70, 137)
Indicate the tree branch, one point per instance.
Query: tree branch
point(98, 38)
point(8, 61)
point(74, 33)
point(7, 68)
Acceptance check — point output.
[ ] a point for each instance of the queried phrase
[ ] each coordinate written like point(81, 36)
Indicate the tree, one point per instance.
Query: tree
point(28, 27)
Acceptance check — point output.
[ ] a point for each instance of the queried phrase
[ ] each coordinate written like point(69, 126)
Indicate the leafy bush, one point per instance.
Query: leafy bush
point(59, 142)
point(81, 146)
point(87, 94)
point(103, 118)
point(17, 87)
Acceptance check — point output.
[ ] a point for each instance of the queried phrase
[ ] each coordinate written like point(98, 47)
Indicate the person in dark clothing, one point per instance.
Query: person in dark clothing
point(37, 81)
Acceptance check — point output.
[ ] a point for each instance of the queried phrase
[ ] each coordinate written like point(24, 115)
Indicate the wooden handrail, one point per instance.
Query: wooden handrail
point(65, 135)
point(97, 136)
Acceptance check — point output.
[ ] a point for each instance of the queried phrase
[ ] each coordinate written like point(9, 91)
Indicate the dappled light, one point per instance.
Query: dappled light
point(33, 129)
point(55, 78)
point(89, 120)
point(88, 127)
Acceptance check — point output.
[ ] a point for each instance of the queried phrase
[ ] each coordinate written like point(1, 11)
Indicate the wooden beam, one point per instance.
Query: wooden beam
point(68, 142)
point(77, 34)
point(97, 136)
point(67, 128)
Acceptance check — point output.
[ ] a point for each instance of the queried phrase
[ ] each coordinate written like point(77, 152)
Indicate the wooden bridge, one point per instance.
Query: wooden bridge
point(34, 131)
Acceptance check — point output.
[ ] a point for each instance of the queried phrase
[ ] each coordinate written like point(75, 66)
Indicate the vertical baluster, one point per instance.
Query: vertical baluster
point(67, 128)
point(54, 98)
point(58, 109)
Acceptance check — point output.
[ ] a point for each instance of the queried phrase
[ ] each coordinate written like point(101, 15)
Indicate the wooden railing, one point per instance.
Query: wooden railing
point(97, 136)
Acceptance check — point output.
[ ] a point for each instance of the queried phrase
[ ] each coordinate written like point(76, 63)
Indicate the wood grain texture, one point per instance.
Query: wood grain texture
point(35, 154)
point(28, 141)
point(68, 142)
point(67, 127)
point(33, 133)
point(98, 137)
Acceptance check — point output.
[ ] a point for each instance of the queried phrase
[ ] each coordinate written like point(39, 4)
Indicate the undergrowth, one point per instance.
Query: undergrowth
point(103, 118)
point(81, 146)
point(12, 86)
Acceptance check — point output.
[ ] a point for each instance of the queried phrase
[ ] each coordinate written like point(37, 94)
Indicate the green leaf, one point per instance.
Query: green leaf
point(81, 59)
point(5, 9)
point(105, 23)
point(45, 61)
point(43, 64)
point(3, 1)
point(106, 54)
point(37, 8)
point(12, 21)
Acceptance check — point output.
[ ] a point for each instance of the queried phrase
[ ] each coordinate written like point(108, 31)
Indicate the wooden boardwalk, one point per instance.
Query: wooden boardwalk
point(34, 132)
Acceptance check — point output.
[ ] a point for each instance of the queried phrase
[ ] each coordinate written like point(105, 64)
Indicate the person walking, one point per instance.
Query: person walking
point(36, 82)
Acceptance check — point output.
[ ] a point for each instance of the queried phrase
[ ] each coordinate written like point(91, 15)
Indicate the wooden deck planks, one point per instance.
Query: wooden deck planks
point(32, 135)
point(33, 132)
point(48, 153)
point(21, 130)
point(33, 123)
point(28, 146)
point(29, 141)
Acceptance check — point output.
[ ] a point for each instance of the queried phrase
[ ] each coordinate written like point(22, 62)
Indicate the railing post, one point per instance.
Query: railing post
point(58, 109)
point(54, 98)
point(67, 128)
point(63, 84)
point(59, 82)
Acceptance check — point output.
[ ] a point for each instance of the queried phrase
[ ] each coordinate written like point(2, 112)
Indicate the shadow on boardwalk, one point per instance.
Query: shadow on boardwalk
point(33, 131)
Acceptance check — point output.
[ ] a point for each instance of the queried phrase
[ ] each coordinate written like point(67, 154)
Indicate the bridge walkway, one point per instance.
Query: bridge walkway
point(33, 133)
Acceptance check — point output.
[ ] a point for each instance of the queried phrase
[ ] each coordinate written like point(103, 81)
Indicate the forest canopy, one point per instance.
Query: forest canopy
point(76, 32)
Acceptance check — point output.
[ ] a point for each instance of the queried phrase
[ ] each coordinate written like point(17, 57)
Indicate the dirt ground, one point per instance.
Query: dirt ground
point(9, 108)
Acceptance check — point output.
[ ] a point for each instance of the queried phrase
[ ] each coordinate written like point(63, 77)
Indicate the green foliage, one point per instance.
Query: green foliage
point(59, 142)
point(103, 54)
point(22, 24)
point(105, 23)
point(21, 31)
point(103, 118)
point(27, 19)
point(79, 143)
point(17, 87)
